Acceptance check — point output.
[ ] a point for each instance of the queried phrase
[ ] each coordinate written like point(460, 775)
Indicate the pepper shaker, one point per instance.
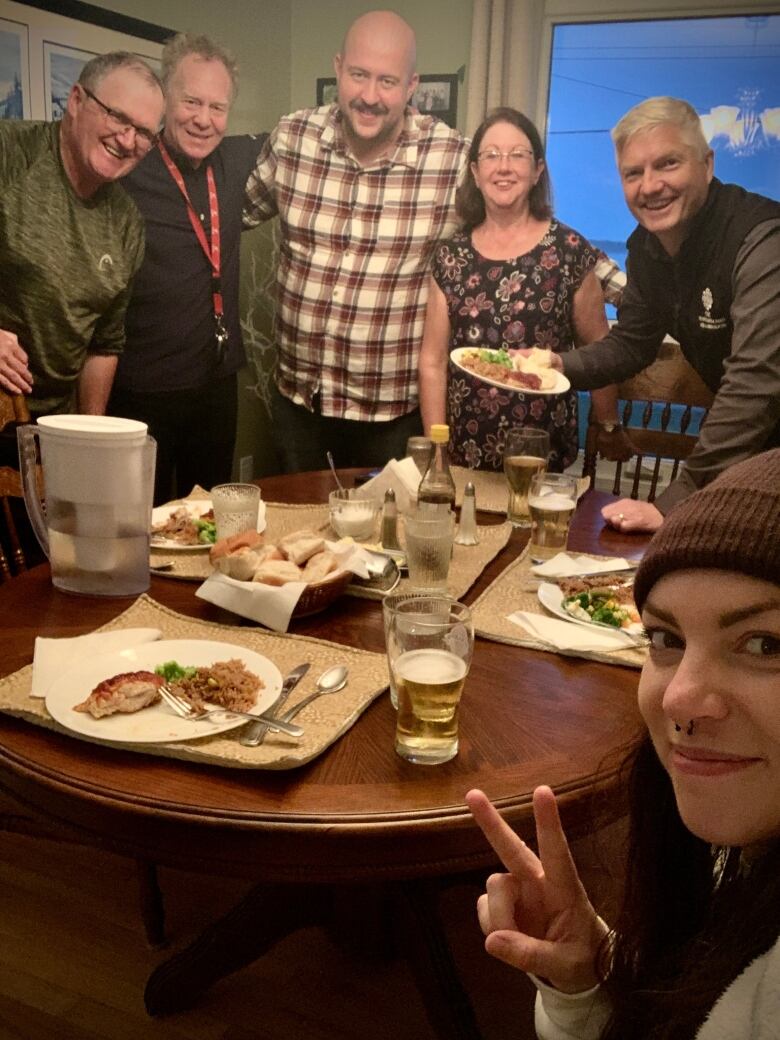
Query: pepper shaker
point(390, 522)
point(467, 528)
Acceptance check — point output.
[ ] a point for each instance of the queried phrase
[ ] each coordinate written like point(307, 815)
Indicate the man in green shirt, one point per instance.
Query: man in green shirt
point(70, 238)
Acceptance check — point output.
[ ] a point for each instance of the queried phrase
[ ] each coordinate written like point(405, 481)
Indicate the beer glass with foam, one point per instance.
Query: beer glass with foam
point(525, 454)
point(430, 641)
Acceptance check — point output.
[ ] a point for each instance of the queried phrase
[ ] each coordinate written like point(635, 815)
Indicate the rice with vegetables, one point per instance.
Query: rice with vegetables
point(226, 684)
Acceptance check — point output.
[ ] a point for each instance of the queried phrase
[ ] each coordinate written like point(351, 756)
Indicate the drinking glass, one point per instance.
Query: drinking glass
point(525, 454)
point(235, 508)
point(429, 539)
point(353, 513)
point(430, 641)
point(389, 605)
point(421, 450)
point(552, 500)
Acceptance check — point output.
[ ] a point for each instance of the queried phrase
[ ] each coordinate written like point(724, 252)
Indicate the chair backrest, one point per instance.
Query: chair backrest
point(13, 411)
point(658, 407)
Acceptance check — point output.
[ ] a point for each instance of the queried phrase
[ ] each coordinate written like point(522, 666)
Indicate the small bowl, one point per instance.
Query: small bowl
point(353, 514)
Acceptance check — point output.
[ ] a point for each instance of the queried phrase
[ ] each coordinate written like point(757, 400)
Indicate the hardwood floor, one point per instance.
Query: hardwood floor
point(74, 961)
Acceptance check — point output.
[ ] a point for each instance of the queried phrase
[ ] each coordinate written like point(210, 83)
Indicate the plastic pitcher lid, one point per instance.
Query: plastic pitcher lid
point(91, 427)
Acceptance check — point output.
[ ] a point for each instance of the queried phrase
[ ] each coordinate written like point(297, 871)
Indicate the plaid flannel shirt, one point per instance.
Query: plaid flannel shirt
point(356, 243)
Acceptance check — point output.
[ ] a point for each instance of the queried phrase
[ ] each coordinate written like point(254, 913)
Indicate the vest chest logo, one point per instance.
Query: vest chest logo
point(706, 320)
point(106, 262)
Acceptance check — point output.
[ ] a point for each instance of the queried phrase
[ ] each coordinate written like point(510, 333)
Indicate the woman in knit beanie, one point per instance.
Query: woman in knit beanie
point(695, 952)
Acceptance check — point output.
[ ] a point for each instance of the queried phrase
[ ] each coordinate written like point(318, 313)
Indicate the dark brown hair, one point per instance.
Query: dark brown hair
point(693, 916)
point(469, 202)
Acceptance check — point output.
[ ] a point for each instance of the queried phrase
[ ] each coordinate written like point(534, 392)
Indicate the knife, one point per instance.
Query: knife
point(255, 732)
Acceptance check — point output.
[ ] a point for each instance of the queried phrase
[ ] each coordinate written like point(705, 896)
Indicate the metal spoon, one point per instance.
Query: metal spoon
point(331, 463)
point(331, 681)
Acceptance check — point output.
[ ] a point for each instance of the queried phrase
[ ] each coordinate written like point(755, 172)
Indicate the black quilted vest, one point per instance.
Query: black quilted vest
point(691, 293)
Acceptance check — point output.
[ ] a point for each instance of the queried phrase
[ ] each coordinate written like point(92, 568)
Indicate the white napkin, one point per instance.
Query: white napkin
point(273, 605)
point(52, 657)
point(565, 635)
point(565, 566)
point(403, 477)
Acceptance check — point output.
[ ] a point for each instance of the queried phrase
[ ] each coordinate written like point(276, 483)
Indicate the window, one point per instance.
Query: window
point(727, 68)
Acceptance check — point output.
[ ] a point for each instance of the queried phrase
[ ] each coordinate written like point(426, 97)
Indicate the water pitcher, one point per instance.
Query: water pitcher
point(98, 478)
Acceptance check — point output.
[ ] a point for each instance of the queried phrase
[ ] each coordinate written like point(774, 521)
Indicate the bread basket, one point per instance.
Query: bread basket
point(320, 594)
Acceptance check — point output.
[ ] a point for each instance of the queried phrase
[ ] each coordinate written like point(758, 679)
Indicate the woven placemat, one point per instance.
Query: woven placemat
point(323, 721)
point(490, 489)
point(468, 561)
point(516, 589)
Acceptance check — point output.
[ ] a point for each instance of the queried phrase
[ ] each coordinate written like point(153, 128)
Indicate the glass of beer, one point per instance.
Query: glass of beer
point(525, 454)
point(552, 499)
point(430, 641)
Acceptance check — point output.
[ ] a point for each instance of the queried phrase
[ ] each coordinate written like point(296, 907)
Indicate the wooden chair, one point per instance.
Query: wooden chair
point(13, 412)
point(655, 396)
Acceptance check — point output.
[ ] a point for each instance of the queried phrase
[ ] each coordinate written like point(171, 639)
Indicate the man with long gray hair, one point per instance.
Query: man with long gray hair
point(71, 238)
point(184, 349)
point(703, 267)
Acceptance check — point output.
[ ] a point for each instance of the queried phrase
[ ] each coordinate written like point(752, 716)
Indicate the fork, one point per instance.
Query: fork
point(183, 708)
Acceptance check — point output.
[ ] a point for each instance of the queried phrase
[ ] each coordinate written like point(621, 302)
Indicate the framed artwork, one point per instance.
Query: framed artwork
point(42, 51)
point(326, 90)
point(435, 94)
point(439, 96)
point(14, 70)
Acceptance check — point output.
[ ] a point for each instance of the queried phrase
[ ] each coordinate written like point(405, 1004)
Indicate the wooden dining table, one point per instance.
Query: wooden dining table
point(355, 819)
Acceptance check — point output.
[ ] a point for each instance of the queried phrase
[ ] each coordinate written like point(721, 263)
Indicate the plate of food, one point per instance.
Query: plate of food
point(189, 525)
point(592, 601)
point(114, 697)
point(511, 370)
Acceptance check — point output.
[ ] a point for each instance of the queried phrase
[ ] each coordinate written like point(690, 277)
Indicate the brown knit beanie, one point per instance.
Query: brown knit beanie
point(732, 524)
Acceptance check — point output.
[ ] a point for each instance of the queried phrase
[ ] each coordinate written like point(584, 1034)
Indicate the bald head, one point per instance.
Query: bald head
point(385, 30)
point(376, 79)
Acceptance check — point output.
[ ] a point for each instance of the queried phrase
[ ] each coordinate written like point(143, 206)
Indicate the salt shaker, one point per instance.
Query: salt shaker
point(390, 522)
point(467, 528)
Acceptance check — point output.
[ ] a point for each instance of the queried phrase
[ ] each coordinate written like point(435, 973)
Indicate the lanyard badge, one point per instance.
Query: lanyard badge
point(211, 251)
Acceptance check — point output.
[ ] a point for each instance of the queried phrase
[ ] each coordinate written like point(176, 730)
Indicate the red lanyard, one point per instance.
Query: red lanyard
point(212, 253)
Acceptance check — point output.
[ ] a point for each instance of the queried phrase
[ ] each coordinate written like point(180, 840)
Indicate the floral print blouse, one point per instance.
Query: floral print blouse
point(522, 302)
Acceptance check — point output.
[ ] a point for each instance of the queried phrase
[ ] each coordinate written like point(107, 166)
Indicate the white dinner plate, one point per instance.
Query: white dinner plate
point(196, 507)
point(156, 724)
point(561, 385)
point(551, 597)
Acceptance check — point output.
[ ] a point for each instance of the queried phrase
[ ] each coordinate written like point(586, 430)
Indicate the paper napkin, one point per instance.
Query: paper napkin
point(52, 657)
point(403, 477)
point(272, 605)
point(565, 635)
point(565, 566)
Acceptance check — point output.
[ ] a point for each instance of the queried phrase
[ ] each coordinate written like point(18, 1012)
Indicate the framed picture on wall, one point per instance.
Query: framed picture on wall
point(437, 95)
point(42, 50)
point(326, 90)
point(61, 68)
point(14, 70)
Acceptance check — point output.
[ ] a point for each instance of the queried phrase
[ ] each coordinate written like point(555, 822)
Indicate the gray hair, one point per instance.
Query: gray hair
point(657, 111)
point(96, 70)
point(185, 43)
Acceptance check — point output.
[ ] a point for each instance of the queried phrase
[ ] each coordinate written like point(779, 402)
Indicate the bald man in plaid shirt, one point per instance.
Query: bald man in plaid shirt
point(364, 188)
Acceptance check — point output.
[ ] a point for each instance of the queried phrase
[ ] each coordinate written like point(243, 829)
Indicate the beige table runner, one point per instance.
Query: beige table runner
point(490, 489)
point(468, 561)
point(323, 722)
point(516, 589)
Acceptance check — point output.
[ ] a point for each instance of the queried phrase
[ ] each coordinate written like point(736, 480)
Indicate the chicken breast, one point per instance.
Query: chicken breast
point(126, 693)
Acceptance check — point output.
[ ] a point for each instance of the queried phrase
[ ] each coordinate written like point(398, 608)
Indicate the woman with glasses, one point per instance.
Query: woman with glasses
point(513, 277)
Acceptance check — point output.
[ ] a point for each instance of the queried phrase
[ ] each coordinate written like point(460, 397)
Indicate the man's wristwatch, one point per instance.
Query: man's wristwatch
point(610, 425)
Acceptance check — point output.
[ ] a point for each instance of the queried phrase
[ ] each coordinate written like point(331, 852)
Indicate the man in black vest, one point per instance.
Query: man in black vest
point(704, 268)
